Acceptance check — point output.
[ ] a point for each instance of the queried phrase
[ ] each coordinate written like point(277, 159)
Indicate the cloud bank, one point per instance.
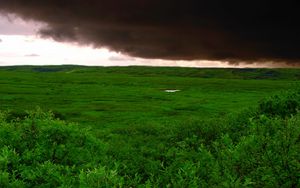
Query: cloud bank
point(234, 31)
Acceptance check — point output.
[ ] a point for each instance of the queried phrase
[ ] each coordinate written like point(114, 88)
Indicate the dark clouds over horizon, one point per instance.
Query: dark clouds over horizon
point(247, 31)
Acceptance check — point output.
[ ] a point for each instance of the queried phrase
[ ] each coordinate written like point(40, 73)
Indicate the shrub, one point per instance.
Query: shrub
point(258, 147)
point(284, 105)
point(40, 150)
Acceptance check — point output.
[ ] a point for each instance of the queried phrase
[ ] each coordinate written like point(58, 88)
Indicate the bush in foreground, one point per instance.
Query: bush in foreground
point(256, 148)
point(45, 152)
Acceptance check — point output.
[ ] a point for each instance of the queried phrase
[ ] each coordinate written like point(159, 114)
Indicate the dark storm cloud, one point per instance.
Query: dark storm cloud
point(247, 31)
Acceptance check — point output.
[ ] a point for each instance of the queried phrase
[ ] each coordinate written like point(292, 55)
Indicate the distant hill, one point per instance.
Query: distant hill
point(222, 73)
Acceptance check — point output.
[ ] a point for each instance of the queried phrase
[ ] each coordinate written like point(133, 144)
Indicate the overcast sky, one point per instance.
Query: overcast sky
point(21, 45)
point(160, 33)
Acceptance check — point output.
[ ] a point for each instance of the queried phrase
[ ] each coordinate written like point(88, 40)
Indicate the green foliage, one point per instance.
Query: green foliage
point(143, 137)
point(100, 177)
point(109, 97)
point(45, 152)
point(283, 105)
point(251, 149)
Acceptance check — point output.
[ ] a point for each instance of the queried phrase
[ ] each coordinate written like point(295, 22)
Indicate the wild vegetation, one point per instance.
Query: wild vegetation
point(187, 139)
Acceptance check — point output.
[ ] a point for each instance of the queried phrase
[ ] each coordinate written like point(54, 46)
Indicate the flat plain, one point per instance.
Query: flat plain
point(124, 96)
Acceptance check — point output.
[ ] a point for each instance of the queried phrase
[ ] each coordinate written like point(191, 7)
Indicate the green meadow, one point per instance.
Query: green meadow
point(75, 126)
point(120, 97)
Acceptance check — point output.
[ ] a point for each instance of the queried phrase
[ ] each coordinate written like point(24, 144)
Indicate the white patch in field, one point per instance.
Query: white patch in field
point(171, 90)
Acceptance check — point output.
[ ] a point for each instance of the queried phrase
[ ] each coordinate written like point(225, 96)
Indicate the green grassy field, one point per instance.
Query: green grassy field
point(120, 97)
point(128, 109)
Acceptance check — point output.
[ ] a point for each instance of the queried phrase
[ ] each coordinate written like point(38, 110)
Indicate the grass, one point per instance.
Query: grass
point(154, 138)
point(120, 96)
